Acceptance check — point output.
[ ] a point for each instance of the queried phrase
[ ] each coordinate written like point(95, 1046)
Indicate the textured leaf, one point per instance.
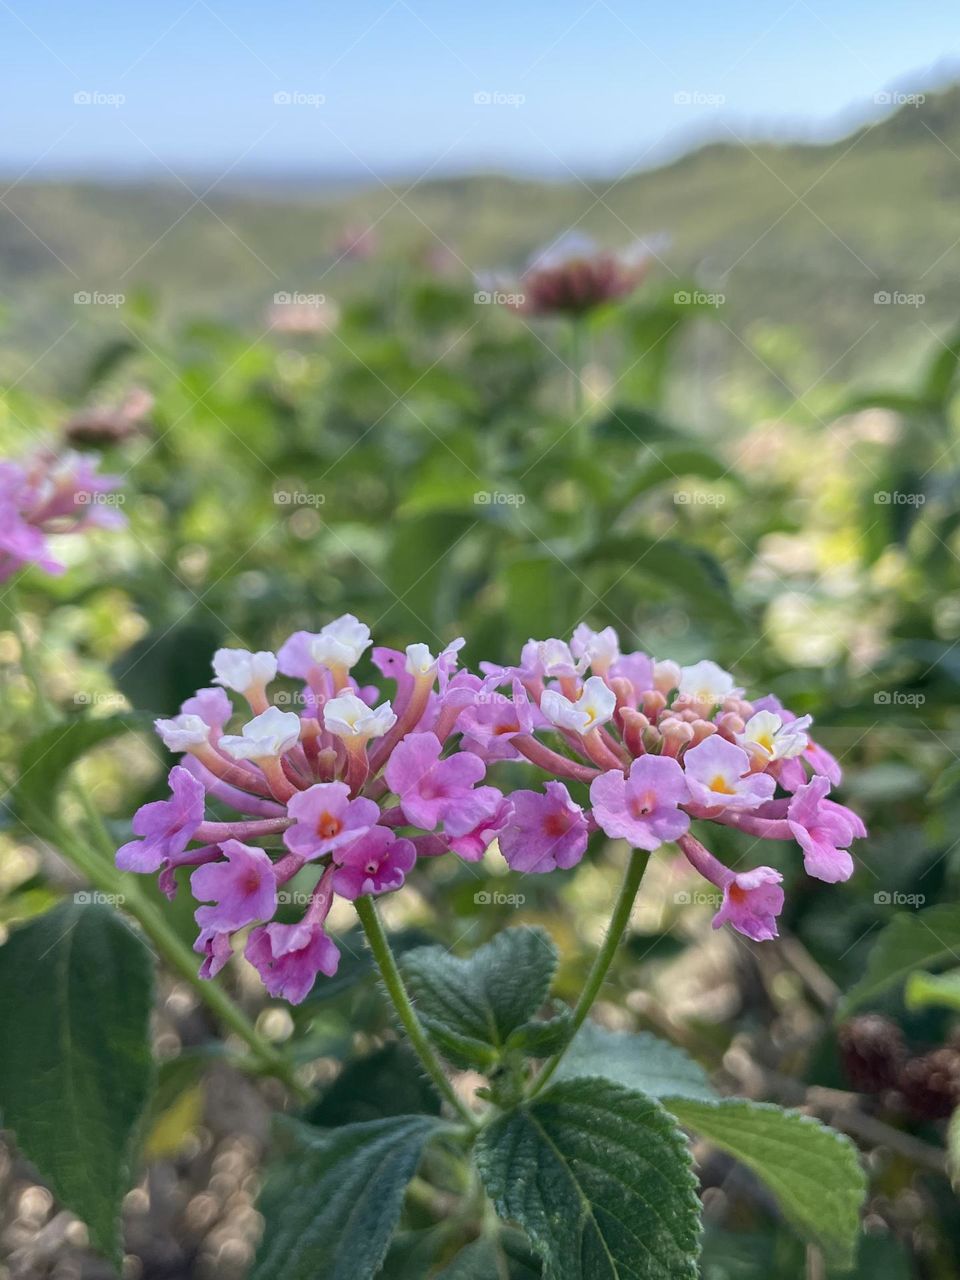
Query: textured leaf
point(813, 1171)
point(76, 989)
point(912, 940)
point(641, 1061)
point(599, 1177)
point(472, 1006)
point(331, 1204)
point(543, 1036)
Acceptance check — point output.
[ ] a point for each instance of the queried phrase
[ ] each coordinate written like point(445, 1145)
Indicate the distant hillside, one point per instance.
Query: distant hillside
point(800, 234)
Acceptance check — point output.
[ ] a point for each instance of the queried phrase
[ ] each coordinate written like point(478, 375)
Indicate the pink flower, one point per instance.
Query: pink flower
point(213, 706)
point(288, 957)
point(166, 826)
point(823, 830)
point(643, 807)
point(717, 776)
point(326, 818)
point(752, 901)
point(472, 844)
point(216, 951)
point(243, 887)
point(544, 831)
point(376, 863)
point(430, 788)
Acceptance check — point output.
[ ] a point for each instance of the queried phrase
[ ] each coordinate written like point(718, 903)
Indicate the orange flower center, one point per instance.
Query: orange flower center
point(328, 826)
point(719, 783)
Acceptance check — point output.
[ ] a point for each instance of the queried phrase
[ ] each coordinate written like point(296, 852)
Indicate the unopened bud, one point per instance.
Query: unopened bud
point(702, 729)
point(653, 703)
point(729, 725)
point(676, 734)
point(633, 725)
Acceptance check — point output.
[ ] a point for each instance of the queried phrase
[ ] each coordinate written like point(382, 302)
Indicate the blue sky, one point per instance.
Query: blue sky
point(392, 84)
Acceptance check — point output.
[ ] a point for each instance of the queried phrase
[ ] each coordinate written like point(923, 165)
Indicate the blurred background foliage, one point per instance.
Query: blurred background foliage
point(700, 475)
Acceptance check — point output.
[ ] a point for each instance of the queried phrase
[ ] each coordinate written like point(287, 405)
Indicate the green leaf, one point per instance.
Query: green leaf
point(637, 1061)
point(941, 989)
point(388, 1082)
point(331, 1204)
point(543, 1036)
point(912, 940)
point(47, 757)
point(599, 1177)
point(471, 1007)
point(76, 990)
point(813, 1171)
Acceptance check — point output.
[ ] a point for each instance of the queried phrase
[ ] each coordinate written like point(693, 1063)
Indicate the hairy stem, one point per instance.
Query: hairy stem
point(400, 998)
point(603, 959)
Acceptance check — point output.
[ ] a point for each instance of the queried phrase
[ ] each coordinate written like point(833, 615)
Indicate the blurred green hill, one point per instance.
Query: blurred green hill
point(794, 234)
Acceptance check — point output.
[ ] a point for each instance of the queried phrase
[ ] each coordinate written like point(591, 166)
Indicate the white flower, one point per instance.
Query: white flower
point(556, 659)
point(420, 661)
point(240, 670)
point(599, 648)
point(269, 734)
point(705, 683)
point(666, 676)
point(766, 734)
point(594, 707)
point(348, 716)
point(182, 732)
point(341, 642)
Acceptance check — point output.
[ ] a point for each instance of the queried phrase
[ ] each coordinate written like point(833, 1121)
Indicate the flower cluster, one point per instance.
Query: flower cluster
point(574, 276)
point(657, 745)
point(354, 787)
point(50, 493)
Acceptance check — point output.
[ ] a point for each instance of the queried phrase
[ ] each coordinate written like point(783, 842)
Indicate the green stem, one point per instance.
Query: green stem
point(386, 963)
point(100, 870)
point(622, 910)
point(577, 360)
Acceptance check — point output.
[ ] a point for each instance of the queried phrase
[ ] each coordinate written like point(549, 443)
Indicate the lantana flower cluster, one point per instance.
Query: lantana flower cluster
point(574, 275)
point(354, 787)
point(50, 493)
point(658, 745)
